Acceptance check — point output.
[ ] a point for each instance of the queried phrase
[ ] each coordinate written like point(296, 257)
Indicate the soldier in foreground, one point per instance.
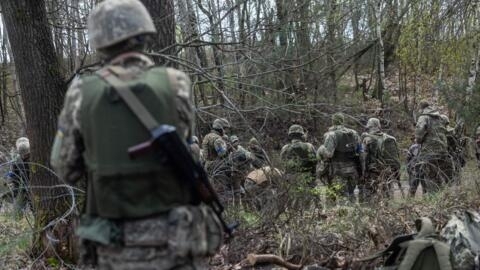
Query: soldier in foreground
point(139, 214)
point(340, 156)
point(435, 164)
point(380, 160)
point(298, 155)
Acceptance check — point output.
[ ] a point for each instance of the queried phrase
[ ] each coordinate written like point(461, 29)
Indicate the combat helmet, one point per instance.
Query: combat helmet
point(338, 119)
point(373, 124)
point(23, 146)
point(296, 130)
point(220, 124)
point(115, 21)
point(234, 139)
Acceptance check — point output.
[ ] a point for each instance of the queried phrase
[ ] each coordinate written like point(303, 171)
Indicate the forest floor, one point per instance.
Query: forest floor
point(334, 236)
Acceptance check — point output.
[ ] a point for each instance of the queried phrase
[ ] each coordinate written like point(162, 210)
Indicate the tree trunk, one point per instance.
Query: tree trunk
point(42, 88)
point(330, 54)
point(381, 52)
point(163, 15)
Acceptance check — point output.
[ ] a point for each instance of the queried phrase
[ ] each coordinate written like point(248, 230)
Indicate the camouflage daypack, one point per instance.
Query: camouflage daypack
point(346, 144)
point(299, 158)
point(388, 151)
point(421, 251)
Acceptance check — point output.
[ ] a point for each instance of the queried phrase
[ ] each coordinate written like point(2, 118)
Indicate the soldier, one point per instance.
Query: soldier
point(19, 175)
point(195, 148)
point(414, 179)
point(240, 160)
point(340, 156)
point(260, 158)
point(454, 148)
point(380, 160)
point(215, 147)
point(434, 163)
point(138, 213)
point(298, 155)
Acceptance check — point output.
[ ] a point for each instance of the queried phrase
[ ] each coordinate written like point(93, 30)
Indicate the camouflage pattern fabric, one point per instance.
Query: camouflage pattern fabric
point(188, 226)
point(180, 240)
point(299, 156)
point(343, 172)
point(260, 158)
point(240, 160)
point(435, 165)
point(414, 179)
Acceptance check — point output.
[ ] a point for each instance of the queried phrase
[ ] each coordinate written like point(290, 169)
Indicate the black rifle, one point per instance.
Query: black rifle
point(166, 139)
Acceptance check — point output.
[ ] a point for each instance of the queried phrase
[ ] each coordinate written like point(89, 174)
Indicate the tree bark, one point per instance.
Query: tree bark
point(163, 15)
point(42, 89)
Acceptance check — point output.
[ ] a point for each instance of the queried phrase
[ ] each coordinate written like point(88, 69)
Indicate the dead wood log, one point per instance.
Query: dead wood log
point(254, 259)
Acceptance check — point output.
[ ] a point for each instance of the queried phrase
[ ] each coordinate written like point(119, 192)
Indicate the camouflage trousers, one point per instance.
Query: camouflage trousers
point(435, 173)
point(344, 175)
point(181, 239)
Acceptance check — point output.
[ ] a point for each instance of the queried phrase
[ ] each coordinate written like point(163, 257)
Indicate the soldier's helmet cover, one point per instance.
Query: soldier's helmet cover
point(23, 146)
point(296, 129)
point(114, 21)
point(234, 139)
point(253, 142)
point(373, 123)
point(338, 119)
point(220, 124)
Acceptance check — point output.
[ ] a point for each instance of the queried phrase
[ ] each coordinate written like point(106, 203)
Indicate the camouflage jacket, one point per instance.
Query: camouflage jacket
point(214, 146)
point(240, 159)
point(67, 153)
point(299, 156)
point(430, 132)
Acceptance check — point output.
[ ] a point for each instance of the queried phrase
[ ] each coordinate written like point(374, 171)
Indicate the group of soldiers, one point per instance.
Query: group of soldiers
point(225, 159)
point(346, 160)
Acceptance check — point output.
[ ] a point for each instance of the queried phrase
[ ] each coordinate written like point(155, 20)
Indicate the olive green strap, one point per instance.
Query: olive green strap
point(129, 98)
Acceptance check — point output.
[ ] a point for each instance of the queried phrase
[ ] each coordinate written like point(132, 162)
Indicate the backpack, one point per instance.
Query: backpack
point(462, 233)
point(388, 151)
point(299, 157)
point(420, 251)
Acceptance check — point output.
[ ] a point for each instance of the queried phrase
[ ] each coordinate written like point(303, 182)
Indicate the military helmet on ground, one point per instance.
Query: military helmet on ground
point(296, 129)
point(114, 21)
point(373, 123)
point(23, 146)
point(220, 123)
point(338, 119)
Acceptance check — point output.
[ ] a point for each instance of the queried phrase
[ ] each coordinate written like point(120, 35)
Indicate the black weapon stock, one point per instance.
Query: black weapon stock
point(166, 139)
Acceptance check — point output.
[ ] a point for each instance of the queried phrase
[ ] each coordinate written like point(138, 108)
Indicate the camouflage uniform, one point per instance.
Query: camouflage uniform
point(180, 236)
point(215, 149)
point(195, 148)
point(455, 151)
point(340, 167)
point(298, 155)
point(435, 165)
point(240, 160)
point(378, 173)
point(414, 179)
point(260, 158)
point(19, 175)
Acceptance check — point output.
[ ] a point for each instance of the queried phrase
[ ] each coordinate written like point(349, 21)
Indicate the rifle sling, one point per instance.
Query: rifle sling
point(130, 99)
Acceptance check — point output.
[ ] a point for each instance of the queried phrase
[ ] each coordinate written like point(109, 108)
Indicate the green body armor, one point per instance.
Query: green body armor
point(119, 187)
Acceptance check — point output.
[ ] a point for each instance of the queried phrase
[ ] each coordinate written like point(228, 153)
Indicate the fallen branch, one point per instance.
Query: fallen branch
point(254, 259)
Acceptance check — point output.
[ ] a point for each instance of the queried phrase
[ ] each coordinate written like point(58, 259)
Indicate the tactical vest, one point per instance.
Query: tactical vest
point(345, 146)
point(298, 157)
point(119, 187)
point(435, 140)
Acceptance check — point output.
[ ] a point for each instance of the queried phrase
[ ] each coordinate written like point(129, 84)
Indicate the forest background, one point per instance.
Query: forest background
point(264, 65)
